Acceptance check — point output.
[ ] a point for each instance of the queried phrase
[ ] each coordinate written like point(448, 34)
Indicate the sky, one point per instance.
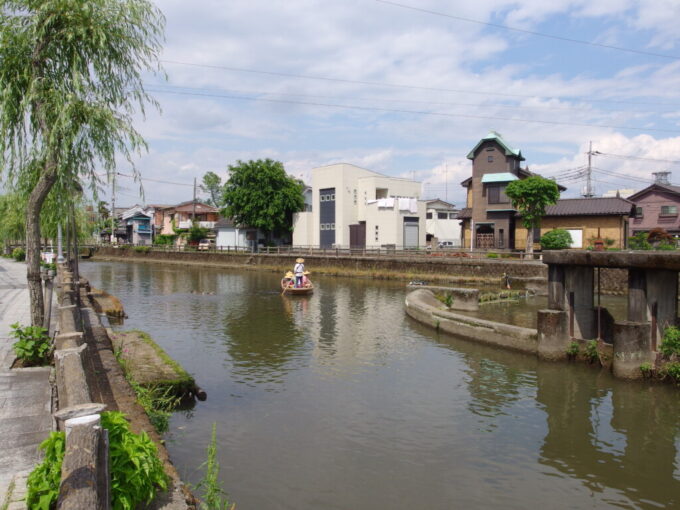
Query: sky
point(407, 88)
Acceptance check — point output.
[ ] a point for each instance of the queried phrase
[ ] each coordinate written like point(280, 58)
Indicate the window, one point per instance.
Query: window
point(501, 241)
point(332, 225)
point(489, 159)
point(355, 197)
point(639, 213)
point(496, 195)
point(442, 216)
point(669, 210)
point(428, 216)
point(376, 232)
point(452, 216)
point(331, 197)
point(322, 198)
point(322, 226)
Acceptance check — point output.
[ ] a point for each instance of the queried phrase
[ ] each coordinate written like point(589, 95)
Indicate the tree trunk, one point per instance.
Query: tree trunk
point(33, 208)
point(529, 250)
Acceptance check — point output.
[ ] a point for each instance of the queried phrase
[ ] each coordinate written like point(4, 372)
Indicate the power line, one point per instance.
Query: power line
point(531, 32)
point(622, 156)
point(410, 87)
point(155, 180)
point(414, 112)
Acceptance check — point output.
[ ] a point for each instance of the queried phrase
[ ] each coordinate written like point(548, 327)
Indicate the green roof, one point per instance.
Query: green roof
point(498, 177)
point(493, 135)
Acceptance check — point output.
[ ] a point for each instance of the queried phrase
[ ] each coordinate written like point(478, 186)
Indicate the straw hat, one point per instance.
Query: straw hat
point(300, 260)
point(289, 274)
point(306, 272)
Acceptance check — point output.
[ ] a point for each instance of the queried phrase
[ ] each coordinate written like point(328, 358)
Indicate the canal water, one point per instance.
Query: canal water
point(340, 401)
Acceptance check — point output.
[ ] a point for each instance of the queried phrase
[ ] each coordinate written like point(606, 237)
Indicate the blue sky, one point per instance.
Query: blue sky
point(413, 91)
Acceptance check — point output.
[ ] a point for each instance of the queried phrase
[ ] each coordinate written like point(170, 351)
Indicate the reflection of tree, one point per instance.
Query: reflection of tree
point(262, 337)
point(645, 419)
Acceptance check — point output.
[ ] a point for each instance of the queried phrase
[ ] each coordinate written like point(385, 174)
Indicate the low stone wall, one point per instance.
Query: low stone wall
point(424, 307)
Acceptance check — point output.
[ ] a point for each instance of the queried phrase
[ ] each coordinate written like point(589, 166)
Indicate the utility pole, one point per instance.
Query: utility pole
point(193, 212)
point(589, 185)
point(113, 208)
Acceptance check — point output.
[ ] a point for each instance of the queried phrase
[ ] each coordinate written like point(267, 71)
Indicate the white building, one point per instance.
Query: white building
point(231, 236)
point(441, 223)
point(355, 207)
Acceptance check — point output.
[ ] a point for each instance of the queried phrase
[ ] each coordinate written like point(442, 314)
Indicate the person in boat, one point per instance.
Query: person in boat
point(299, 271)
point(306, 282)
point(289, 279)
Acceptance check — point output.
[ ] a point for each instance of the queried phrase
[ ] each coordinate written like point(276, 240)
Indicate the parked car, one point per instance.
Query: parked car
point(206, 244)
point(444, 245)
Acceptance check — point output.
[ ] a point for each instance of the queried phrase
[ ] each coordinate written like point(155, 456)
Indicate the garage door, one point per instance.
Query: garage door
point(411, 232)
point(576, 237)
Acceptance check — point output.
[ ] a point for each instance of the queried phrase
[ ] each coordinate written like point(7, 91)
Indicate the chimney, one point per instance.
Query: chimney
point(661, 178)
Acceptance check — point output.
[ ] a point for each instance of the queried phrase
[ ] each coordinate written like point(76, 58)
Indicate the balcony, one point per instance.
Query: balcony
point(202, 224)
point(207, 224)
point(184, 224)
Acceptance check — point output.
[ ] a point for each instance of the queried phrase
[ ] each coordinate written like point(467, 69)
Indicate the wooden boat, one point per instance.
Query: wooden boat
point(288, 288)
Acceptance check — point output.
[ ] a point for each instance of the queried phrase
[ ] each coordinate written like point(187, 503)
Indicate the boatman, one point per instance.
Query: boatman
point(299, 271)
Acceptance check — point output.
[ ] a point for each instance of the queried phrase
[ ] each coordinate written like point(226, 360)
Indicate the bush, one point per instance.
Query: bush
point(671, 342)
point(142, 249)
point(557, 239)
point(492, 255)
point(165, 239)
point(639, 242)
point(665, 246)
point(19, 254)
point(659, 235)
point(573, 349)
point(591, 351)
point(671, 370)
point(33, 344)
point(136, 470)
point(43, 483)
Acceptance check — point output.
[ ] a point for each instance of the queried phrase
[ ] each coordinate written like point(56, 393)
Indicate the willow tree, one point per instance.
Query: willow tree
point(70, 85)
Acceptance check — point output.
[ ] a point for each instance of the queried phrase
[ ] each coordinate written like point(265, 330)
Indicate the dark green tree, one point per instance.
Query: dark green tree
point(212, 184)
point(261, 194)
point(530, 197)
point(70, 85)
point(557, 239)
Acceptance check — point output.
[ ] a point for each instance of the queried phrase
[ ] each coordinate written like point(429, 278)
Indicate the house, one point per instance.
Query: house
point(656, 206)
point(586, 219)
point(137, 223)
point(182, 216)
point(441, 223)
point(230, 235)
point(359, 208)
point(490, 222)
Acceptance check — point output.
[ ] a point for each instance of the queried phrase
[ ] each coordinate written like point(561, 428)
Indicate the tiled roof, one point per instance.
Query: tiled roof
point(465, 212)
point(493, 135)
point(225, 223)
point(664, 187)
point(590, 207)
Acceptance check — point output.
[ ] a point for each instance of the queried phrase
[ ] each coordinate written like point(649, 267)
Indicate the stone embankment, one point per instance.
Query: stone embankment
point(90, 380)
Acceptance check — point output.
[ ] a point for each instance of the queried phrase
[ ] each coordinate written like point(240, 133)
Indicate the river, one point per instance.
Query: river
point(340, 401)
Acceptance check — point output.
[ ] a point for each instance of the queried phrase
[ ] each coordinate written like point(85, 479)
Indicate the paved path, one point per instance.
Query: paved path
point(25, 394)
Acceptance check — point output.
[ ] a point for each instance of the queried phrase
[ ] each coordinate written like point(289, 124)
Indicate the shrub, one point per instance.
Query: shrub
point(664, 246)
point(142, 249)
point(19, 254)
point(136, 470)
point(213, 497)
point(659, 235)
point(573, 349)
point(492, 255)
point(646, 369)
point(591, 350)
point(33, 344)
point(164, 239)
point(557, 239)
point(43, 483)
point(671, 342)
point(671, 370)
point(639, 242)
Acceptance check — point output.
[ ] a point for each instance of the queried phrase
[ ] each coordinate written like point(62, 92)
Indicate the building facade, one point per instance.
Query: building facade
point(656, 206)
point(442, 224)
point(357, 208)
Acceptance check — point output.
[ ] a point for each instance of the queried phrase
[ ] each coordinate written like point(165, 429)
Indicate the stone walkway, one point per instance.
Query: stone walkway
point(25, 394)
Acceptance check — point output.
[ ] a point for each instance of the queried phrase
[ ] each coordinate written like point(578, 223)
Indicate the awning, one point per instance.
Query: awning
point(499, 177)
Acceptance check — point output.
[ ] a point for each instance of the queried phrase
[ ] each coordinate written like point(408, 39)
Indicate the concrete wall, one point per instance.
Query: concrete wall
point(390, 223)
point(604, 227)
point(422, 306)
point(232, 237)
point(303, 234)
point(443, 230)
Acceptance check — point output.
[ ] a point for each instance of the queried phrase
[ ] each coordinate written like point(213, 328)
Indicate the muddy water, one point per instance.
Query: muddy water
point(340, 401)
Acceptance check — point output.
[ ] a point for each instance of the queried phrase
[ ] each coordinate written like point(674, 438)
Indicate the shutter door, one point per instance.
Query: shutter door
point(410, 235)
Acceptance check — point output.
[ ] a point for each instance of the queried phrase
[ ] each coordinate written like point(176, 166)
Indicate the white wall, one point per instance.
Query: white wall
point(390, 223)
point(443, 230)
point(231, 237)
point(302, 229)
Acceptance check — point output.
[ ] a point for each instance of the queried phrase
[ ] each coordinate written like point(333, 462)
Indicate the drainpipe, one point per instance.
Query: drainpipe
point(472, 234)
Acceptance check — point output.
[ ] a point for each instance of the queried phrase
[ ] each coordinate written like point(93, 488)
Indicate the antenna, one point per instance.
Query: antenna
point(661, 178)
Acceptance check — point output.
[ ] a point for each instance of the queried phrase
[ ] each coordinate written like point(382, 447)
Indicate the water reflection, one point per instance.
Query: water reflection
point(337, 400)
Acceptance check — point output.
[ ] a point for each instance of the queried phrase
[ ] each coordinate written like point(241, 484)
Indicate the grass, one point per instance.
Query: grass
point(8, 495)
point(213, 497)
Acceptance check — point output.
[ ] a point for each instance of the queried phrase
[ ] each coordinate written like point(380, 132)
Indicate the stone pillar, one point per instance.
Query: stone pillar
point(553, 334)
point(653, 297)
point(578, 285)
point(556, 297)
point(637, 295)
point(632, 347)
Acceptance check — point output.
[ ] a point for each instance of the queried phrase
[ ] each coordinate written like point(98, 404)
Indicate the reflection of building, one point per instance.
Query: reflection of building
point(442, 223)
point(354, 207)
point(489, 220)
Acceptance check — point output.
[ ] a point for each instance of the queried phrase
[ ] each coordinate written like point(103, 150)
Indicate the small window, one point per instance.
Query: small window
point(331, 197)
point(428, 216)
point(639, 213)
point(332, 226)
point(489, 149)
point(355, 197)
point(442, 216)
point(452, 215)
point(322, 226)
point(376, 228)
point(489, 159)
point(322, 198)
point(669, 210)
